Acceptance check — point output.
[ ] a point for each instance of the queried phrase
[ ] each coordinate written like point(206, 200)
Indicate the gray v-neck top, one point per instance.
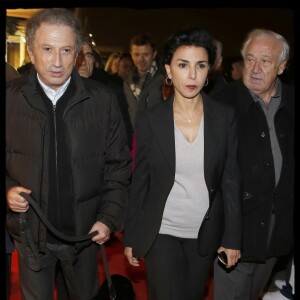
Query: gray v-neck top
point(188, 200)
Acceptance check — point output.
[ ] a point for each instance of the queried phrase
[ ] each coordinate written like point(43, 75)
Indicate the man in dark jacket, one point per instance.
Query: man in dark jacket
point(85, 65)
point(143, 88)
point(66, 146)
point(265, 111)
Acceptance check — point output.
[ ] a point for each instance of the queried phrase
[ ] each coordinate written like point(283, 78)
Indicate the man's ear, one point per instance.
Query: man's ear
point(30, 54)
point(281, 68)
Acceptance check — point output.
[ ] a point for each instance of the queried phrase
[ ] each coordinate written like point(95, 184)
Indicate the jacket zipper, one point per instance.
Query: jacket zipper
point(68, 146)
point(56, 159)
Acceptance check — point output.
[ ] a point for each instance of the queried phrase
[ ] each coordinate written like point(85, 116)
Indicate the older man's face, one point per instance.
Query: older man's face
point(85, 61)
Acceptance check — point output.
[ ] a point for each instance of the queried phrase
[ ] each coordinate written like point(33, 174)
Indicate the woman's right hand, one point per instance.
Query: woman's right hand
point(131, 259)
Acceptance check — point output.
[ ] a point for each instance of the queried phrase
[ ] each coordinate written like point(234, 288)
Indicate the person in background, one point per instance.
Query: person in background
point(237, 68)
point(111, 66)
point(184, 203)
point(10, 73)
point(66, 147)
point(142, 88)
point(99, 62)
point(215, 80)
point(26, 65)
point(265, 121)
point(125, 66)
point(85, 65)
point(85, 62)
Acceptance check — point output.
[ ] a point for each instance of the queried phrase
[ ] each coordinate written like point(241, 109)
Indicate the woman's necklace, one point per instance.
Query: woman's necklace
point(188, 118)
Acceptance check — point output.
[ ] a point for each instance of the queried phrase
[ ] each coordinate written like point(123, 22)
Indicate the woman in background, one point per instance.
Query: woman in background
point(111, 65)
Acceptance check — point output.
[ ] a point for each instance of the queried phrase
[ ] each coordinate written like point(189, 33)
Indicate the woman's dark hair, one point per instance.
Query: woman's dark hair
point(191, 36)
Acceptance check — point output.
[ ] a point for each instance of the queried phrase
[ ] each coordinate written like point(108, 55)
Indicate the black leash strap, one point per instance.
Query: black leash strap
point(32, 259)
point(73, 239)
point(50, 227)
point(112, 290)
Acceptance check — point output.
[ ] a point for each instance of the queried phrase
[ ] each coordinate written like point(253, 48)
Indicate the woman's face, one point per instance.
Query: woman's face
point(188, 70)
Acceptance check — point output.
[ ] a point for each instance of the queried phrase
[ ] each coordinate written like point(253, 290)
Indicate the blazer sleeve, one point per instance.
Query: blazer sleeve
point(231, 189)
point(140, 178)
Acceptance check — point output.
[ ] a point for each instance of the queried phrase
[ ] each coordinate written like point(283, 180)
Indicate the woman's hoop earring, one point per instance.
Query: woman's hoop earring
point(206, 82)
point(169, 81)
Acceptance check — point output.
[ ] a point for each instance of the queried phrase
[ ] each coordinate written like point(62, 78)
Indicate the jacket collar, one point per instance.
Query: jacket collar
point(246, 100)
point(32, 89)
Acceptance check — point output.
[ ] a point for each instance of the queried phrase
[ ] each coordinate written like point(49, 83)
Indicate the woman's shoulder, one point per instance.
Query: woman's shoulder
point(216, 104)
point(218, 110)
point(159, 112)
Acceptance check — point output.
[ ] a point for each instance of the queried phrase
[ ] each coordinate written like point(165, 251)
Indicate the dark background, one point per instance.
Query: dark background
point(113, 27)
point(113, 24)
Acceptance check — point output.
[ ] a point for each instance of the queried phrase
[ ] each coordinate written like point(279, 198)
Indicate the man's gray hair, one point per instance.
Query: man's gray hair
point(54, 16)
point(266, 33)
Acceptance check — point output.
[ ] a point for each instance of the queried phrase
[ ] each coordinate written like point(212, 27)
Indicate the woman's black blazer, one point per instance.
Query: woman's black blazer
point(154, 174)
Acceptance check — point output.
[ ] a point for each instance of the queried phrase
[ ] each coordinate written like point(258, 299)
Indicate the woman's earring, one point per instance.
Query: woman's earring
point(169, 81)
point(206, 82)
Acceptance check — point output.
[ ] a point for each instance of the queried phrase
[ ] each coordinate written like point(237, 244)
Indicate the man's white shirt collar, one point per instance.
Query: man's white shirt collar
point(52, 94)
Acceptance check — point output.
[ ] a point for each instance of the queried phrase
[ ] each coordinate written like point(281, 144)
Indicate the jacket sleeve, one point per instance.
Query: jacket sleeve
point(140, 178)
point(117, 171)
point(231, 188)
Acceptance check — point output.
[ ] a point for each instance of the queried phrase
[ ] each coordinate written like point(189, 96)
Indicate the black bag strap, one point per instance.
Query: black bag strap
point(72, 239)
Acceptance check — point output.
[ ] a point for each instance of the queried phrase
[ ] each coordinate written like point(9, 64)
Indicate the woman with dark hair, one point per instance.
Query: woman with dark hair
point(184, 204)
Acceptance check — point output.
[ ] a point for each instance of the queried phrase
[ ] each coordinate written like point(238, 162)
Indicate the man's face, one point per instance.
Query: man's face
point(262, 65)
point(53, 54)
point(142, 57)
point(85, 61)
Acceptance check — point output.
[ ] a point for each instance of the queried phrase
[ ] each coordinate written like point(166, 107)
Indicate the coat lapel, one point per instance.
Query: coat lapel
point(162, 123)
point(213, 128)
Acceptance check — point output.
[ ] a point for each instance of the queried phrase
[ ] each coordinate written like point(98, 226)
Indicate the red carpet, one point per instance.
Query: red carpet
point(117, 264)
